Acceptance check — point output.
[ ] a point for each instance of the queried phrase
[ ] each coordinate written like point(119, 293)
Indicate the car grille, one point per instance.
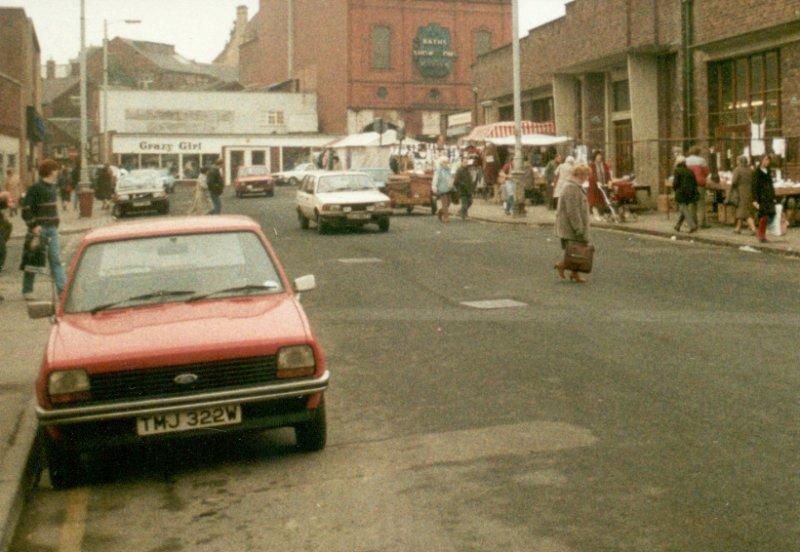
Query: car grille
point(358, 207)
point(154, 383)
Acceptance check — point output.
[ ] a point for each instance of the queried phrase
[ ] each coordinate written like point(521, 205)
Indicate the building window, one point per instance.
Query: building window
point(506, 113)
point(381, 47)
point(275, 118)
point(483, 42)
point(744, 90)
point(541, 111)
point(622, 96)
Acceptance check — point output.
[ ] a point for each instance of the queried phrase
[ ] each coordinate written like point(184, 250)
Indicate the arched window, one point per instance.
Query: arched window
point(483, 42)
point(381, 47)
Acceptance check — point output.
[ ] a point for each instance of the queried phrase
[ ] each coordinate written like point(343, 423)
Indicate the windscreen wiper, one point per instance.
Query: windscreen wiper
point(249, 287)
point(163, 294)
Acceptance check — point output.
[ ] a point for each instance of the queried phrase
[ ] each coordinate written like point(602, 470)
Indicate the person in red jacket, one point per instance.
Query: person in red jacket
point(698, 165)
point(599, 175)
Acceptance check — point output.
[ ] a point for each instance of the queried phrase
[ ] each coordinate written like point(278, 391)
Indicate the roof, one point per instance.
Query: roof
point(371, 139)
point(165, 57)
point(507, 128)
point(166, 226)
point(52, 89)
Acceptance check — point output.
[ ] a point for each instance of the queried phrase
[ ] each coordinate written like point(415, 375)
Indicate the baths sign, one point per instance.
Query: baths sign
point(433, 51)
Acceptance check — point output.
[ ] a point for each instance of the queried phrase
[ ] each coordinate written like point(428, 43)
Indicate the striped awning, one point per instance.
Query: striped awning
point(506, 128)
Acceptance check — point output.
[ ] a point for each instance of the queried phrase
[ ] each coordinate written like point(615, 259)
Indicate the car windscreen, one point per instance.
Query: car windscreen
point(378, 175)
point(253, 171)
point(174, 267)
point(140, 180)
point(344, 183)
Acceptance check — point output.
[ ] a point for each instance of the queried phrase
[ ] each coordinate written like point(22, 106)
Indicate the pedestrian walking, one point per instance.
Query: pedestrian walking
point(572, 215)
point(64, 187)
point(5, 228)
point(509, 193)
point(466, 182)
point(563, 174)
point(684, 184)
point(550, 179)
point(13, 189)
point(76, 180)
point(40, 212)
point(698, 165)
point(599, 176)
point(216, 186)
point(441, 186)
point(763, 196)
point(201, 204)
point(741, 195)
point(104, 188)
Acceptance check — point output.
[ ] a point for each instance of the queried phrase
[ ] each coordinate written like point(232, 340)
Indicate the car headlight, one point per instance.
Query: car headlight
point(160, 194)
point(296, 362)
point(382, 205)
point(68, 386)
point(332, 208)
point(123, 197)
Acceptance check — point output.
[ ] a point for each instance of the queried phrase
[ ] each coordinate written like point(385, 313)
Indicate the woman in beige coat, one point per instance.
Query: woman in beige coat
point(572, 215)
point(742, 191)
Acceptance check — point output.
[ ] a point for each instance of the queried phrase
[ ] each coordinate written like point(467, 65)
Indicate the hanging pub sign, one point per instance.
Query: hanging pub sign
point(433, 51)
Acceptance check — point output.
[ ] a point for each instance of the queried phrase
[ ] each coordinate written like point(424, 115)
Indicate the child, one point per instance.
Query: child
point(509, 189)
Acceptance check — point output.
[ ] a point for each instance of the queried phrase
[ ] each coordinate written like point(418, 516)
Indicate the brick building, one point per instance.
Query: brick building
point(20, 90)
point(406, 61)
point(640, 79)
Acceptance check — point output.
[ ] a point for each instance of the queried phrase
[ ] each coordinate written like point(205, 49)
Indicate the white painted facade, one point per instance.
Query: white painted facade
point(9, 155)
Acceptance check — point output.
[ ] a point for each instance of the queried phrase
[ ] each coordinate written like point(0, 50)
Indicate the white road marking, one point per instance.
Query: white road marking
point(494, 304)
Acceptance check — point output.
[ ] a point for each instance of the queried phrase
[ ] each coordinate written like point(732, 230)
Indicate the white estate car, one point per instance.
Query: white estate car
point(293, 176)
point(332, 198)
point(140, 191)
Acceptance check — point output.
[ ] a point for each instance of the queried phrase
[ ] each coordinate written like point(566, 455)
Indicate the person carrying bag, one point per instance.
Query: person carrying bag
point(572, 226)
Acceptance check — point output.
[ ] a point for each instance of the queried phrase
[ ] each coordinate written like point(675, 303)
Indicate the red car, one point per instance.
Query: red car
point(255, 180)
point(176, 328)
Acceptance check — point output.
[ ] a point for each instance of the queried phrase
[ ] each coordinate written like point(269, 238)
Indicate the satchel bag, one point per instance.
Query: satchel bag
point(733, 197)
point(578, 257)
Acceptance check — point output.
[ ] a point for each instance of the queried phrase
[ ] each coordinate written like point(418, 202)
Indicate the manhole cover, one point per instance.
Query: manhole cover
point(361, 260)
point(494, 304)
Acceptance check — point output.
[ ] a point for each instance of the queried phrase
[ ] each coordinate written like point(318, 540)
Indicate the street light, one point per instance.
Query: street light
point(84, 191)
point(517, 170)
point(104, 127)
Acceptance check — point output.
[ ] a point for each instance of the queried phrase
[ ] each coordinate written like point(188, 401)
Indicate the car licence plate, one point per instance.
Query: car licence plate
point(188, 420)
point(249, 187)
point(358, 216)
point(141, 204)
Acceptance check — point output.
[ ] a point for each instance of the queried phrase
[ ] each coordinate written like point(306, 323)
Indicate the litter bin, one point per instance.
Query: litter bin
point(85, 203)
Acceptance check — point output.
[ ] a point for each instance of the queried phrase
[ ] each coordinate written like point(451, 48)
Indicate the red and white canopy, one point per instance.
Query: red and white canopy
point(506, 128)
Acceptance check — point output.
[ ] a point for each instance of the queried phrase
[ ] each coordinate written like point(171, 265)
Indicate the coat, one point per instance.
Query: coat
point(742, 188)
point(442, 181)
point(572, 213)
point(104, 188)
point(684, 184)
point(764, 193)
point(595, 196)
point(464, 183)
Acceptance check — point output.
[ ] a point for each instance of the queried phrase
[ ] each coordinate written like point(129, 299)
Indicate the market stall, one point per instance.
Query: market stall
point(368, 149)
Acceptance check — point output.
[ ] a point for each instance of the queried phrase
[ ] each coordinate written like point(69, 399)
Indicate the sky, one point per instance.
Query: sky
point(198, 28)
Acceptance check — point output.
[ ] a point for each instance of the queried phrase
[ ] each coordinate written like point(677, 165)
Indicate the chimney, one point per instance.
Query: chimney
point(51, 69)
point(241, 17)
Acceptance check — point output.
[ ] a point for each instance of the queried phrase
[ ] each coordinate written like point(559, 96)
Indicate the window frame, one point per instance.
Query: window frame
point(375, 47)
point(481, 32)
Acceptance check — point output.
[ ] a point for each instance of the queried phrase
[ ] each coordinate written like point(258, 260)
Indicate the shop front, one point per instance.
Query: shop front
point(9, 152)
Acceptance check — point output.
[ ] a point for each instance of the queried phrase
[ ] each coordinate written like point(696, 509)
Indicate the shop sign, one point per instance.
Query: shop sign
point(433, 51)
point(146, 146)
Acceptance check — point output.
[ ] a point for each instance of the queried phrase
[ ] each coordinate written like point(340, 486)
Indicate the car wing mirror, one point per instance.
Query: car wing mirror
point(305, 283)
point(41, 309)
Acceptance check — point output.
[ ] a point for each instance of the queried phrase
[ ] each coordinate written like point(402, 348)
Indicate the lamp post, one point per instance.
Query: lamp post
point(84, 187)
point(517, 170)
point(104, 126)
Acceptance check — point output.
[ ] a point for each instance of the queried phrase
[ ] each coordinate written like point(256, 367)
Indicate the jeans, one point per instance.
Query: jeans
point(466, 203)
point(510, 201)
point(216, 202)
point(687, 212)
point(53, 258)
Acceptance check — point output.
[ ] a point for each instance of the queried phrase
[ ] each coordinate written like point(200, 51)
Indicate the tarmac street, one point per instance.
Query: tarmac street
point(655, 408)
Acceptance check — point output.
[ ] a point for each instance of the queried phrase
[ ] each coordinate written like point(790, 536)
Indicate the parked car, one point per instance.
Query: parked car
point(379, 176)
point(254, 180)
point(341, 199)
point(178, 328)
point(140, 191)
point(168, 180)
point(294, 176)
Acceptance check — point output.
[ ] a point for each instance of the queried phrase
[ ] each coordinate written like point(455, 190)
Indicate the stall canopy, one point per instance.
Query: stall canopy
point(368, 150)
point(370, 140)
point(531, 140)
point(486, 133)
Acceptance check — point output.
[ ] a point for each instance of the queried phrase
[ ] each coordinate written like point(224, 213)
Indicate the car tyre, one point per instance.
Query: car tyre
point(434, 207)
point(409, 209)
point(64, 467)
point(117, 212)
point(238, 194)
point(304, 222)
point(383, 224)
point(270, 193)
point(312, 435)
point(322, 226)
point(293, 181)
point(164, 209)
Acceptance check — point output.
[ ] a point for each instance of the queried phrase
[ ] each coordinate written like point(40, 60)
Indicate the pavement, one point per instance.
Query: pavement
point(654, 408)
point(21, 343)
point(71, 222)
point(650, 223)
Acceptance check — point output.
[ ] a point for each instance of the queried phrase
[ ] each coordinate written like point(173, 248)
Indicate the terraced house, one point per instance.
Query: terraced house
point(643, 78)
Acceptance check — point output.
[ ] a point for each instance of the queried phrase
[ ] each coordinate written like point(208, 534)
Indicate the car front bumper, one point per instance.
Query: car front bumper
point(142, 204)
point(338, 217)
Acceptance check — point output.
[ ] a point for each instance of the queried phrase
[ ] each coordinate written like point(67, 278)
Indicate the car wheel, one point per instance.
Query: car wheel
point(322, 226)
point(434, 207)
point(293, 181)
point(270, 193)
point(64, 467)
point(312, 435)
point(383, 224)
point(116, 212)
point(164, 209)
point(304, 222)
point(409, 209)
point(238, 194)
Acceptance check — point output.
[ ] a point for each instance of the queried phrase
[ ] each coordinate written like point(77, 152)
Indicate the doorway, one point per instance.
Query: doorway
point(623, 147)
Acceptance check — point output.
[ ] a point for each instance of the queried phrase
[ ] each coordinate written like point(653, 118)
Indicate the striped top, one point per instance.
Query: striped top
point(40, 206)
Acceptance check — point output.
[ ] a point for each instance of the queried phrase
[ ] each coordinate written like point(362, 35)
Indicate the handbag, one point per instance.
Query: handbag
point(732, 197)
point(578, 257)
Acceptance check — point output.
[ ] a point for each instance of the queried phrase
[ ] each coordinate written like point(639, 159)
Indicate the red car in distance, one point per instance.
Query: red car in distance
point(254, 180)
point(176, 328)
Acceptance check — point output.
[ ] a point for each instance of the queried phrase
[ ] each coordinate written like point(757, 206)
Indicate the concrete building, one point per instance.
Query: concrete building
point(184, 131)
point(405, 61)
point(20, 93)
point(640, 79)
point(230, 54)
